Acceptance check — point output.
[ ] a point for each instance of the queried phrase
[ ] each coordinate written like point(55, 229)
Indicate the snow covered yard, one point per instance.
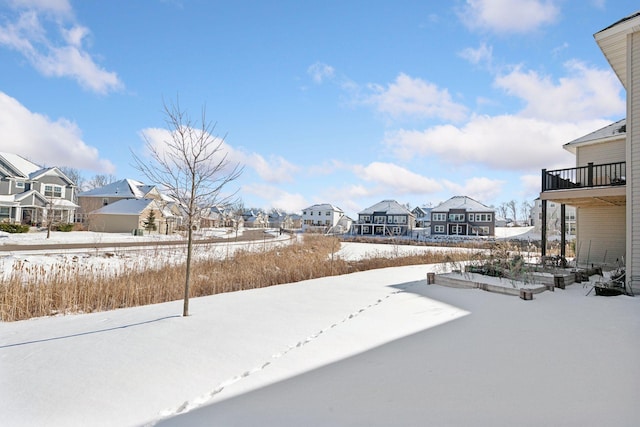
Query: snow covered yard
point(373, 348)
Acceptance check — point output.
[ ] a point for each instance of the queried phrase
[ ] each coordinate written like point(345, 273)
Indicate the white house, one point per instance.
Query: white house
point(321, 217)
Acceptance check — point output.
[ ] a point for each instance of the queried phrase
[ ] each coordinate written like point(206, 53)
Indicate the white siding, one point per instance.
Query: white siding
point(609, 152)
point(601, 235)
point(633, 153)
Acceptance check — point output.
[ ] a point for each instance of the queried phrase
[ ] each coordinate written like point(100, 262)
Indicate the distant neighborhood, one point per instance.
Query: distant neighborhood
point(596, 201)
point(37, 196)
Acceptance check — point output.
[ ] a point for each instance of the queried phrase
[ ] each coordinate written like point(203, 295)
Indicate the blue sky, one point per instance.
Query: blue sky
point(342, 102)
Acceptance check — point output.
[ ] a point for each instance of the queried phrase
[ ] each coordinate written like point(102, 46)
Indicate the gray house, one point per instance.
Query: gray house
point(33, 195)
point(462, 216)
point(386, 218)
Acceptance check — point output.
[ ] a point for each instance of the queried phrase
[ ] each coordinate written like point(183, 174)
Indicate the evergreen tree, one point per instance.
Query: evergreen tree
point(150, 222)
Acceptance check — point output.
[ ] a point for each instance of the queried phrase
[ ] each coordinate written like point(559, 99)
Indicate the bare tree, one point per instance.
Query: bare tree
point(513, 208)
point(74, 175)
point(525, 210)
point(100, 180)
point(503, 210)
point(192, 167)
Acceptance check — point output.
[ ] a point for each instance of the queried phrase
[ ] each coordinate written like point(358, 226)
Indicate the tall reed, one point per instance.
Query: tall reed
point(34, 291)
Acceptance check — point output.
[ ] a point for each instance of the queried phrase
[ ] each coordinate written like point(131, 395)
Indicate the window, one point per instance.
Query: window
point(365, 229)
point(365, 218)
point(380, 220)
point(105, 201)
point(396, 230)
point(5, 212)
point(457, 229)
point(53, 191)
point(456, 217)
point(439, 217)
point(485, 217)
point(470, 217)
point(19, 184)
point(327, 222)
point(480, 231)
point(438, 228)
point(328, 213)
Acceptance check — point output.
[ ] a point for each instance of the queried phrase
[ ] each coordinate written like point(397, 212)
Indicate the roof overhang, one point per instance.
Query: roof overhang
point(613, 43)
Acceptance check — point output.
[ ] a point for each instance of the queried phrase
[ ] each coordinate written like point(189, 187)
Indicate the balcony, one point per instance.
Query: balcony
point(591, 185)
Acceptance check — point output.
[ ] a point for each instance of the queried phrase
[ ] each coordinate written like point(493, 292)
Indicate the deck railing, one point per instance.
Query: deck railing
point(603, 175)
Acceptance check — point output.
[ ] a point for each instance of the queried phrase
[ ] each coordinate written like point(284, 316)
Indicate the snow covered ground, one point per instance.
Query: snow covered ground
point(375, 348)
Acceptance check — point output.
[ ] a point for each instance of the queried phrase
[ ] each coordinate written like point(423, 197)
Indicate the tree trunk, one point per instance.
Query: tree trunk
point(185, 309)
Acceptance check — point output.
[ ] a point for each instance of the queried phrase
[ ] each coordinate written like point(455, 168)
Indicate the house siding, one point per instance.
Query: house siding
point(633, 154)
point(600, 235)
point(610, 152)
point(114, 223)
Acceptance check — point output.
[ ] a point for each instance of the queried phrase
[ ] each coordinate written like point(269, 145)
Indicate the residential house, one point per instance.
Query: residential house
point(554, 218)
point(462, 216)
point(255, 219)
point(322, 218)
point(132, 215)
point(343, 226)
point(386, 218)
point(605, 184)
point(596, 188)
point(423, 216)
point(219, 216)
point(123, 189)
point(95, 200)
point(33, 195)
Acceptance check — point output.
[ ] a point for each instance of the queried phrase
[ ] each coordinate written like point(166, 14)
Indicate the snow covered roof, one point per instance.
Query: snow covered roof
point(62, 203)
point(610, 132)
point(18, 165)
point(323, 207)
point(462, 202)
point(390, 207)
point(126, 207)
point(123, 188)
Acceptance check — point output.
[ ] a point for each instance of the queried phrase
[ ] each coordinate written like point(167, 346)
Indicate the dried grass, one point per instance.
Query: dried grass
point(70, 289)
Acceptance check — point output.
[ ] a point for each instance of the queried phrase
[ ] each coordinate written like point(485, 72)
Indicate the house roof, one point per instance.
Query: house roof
point(462, 202)
point(610, 132)
point(324, 206)
point(17, 165)
point(390, 207)
point(613, 43)
point(126, 188)
point(126, 207)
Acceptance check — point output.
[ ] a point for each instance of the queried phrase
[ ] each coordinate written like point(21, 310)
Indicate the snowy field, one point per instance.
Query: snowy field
point(375, 348)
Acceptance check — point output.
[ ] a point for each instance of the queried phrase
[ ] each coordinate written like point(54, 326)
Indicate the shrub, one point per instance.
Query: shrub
point(14, 228)
point(64, 227)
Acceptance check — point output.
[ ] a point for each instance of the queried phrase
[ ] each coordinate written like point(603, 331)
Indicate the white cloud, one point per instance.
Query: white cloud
point(158, 138)
point(276, 197)
point(530, 184)
point(46, 142)
point(393, 178)
point(275, 169)
point(500, 142)
point(585, 92)
point(481, 189)
point(482, 55)
point(412, 97)
point(61, 54)
point(320, 71)
point(509, 16)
